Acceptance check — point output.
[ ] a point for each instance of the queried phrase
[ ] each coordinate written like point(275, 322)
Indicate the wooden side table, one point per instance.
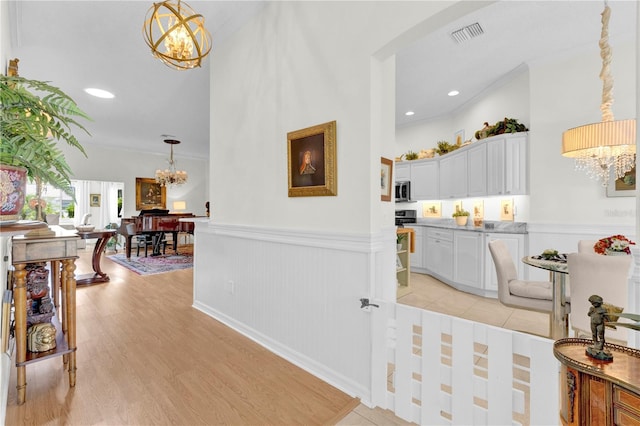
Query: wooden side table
point(59, 249)
point(103, 236)
point(594, 392)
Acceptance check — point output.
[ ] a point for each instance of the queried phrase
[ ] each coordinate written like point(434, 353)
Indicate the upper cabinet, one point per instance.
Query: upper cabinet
point(493, 166)
point(507, 165)
point(453, 175)
point(424, 180)
point(477, 170)
point(403, 171)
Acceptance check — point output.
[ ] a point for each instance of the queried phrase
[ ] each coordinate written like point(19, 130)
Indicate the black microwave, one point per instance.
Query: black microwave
point(403, 192)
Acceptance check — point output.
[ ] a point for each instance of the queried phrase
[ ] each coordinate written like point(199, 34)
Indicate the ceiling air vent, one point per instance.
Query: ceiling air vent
point(467, 33)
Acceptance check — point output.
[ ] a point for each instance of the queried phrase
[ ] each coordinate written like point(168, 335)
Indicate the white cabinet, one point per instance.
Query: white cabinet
point(453, 175)
point(477, 170)
point(516, 171)
point(516, 245)
point(417, 256)
point(439, 252)
point(424, 180)
point(468, 258)
point(507, 171)
point(402, 172)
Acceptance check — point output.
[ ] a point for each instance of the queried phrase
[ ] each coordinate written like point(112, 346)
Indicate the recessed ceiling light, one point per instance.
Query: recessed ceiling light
point(453, 93)
point(409, 113)
point(99, 93)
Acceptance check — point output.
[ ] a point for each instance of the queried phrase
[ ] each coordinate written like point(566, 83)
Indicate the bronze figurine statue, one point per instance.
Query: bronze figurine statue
point(599, 316)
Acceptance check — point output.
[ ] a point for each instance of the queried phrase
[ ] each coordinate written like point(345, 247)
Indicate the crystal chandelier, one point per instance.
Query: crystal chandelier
point(599, 147)
point(177, 28)
point(171, 176)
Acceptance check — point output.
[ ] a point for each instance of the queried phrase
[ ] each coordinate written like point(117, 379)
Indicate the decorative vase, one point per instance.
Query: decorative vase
point(13, 186)
point(477, 222)
point(461, 220)
point(610, 252)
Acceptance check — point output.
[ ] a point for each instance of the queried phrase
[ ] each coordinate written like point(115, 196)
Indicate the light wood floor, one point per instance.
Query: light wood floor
point(146, 357)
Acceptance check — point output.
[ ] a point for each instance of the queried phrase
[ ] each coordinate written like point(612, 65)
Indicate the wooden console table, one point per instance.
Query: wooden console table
point(59, 249)
point(103, 236)
point(594, 392)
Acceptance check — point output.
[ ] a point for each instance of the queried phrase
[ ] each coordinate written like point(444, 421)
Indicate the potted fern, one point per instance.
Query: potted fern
point(34, 117)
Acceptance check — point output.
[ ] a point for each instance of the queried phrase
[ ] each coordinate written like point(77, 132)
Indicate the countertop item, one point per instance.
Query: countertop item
point(488, 226)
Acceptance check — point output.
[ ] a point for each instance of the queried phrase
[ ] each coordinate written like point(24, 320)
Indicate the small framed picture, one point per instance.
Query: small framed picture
point(458, 137)
point(432, 209)
point(506, 210)
point(457, 206)
point(622, 187)
point(94, 200)
point(386, 170)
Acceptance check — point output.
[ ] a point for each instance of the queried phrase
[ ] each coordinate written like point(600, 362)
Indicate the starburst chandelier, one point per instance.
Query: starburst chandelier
point(599, 147)
point(171, 176)
point(180, 31)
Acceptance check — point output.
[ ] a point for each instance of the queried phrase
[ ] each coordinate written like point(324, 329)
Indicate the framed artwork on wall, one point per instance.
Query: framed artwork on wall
point(94, 200)
point(506, 210)
point(311, 159)
point(150, 194)
point(386, 171)
point(432, 209)
point(622, 187)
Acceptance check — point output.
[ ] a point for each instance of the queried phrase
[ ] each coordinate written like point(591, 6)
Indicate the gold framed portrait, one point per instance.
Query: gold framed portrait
point(150, 194)
point(311, 159)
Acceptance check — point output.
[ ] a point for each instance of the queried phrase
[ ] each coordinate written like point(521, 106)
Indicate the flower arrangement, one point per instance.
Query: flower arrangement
point(615, 244)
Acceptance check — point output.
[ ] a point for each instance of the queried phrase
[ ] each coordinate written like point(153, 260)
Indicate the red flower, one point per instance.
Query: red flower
point(618, 243)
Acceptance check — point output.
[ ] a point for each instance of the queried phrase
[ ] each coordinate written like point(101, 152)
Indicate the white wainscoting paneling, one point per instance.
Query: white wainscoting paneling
point(297, 293)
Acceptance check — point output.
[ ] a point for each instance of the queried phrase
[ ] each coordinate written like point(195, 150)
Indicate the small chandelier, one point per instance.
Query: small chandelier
point(171, 176)
point(609, 144)
point(180, 31)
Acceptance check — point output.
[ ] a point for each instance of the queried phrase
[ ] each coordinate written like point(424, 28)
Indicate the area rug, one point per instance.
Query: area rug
point(154, 264)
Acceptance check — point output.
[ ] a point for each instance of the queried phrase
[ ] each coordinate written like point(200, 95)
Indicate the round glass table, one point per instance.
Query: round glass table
point(558, 271)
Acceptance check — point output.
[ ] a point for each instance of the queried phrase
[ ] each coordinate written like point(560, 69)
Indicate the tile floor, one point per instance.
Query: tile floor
point(430, 293)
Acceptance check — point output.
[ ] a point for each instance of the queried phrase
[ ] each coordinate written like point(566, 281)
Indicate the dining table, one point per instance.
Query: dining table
point(558, 272)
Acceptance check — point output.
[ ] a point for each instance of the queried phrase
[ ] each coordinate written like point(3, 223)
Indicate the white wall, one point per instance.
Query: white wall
point(112, 165)
point(566, 93)
point(289, 272)
point(5, 37)
point(508, 97)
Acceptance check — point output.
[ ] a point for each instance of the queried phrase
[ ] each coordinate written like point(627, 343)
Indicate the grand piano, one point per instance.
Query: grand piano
point(155, 223)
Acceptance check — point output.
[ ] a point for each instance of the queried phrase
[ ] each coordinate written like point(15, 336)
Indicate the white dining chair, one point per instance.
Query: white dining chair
point(586, 246)
point(607, 276)
point(514, 292)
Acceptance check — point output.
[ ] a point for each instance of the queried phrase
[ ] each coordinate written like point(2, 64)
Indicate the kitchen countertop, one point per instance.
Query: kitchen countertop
point(488, 226)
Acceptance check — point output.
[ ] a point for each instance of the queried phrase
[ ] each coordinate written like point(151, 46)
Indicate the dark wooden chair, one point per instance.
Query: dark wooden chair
point(145, 241)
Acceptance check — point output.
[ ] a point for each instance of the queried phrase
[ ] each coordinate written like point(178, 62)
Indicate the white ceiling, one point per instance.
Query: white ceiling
point(515, 33)
point(79, 44)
